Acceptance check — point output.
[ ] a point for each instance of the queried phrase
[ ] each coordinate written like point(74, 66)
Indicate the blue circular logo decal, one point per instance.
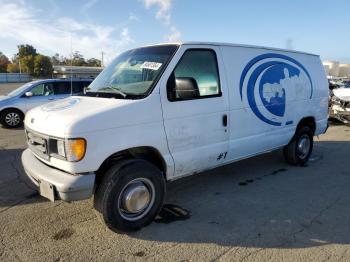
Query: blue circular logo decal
point(269, 82)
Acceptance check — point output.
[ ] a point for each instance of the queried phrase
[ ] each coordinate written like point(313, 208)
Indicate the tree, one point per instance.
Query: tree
point(65, 61)
point(42, 66)
point(27, 64)
point(93, 62)
point(26, 50)
point(12, 68)
point(4, 61)
point(57, 59)
point(33, 63)
point(25, 57)
point(78, 59)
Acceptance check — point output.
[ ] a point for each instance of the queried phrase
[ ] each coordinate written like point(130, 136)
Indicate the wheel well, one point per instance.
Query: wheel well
point(145, 152)
point(307, 121)
point(12, 108)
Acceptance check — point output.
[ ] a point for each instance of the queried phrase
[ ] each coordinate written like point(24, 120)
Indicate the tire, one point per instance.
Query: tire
point(11, 118)
point(115, 197)
point(299, 149)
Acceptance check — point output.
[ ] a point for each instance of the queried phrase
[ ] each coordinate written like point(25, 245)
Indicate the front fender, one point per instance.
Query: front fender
point(102, 144)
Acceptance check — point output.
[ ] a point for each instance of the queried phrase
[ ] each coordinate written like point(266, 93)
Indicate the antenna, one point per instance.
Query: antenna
point(71, 64)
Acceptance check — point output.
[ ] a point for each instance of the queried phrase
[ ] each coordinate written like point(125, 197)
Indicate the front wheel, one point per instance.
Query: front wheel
point(130, 195)
point(11, 118)
point(298, 151)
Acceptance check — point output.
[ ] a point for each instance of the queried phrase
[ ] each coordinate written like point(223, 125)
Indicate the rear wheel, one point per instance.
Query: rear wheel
point(11, 118)
point(298, 151)
point(130, 195)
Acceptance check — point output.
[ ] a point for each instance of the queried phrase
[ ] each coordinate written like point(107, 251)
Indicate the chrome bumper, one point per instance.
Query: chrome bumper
point(65, 186)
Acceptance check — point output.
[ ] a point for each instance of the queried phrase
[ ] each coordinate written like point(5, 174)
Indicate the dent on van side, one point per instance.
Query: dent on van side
point(161, 112)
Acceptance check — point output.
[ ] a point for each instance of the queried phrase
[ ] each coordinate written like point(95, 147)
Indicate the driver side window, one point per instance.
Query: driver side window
point(44, 89)
point(195, 76)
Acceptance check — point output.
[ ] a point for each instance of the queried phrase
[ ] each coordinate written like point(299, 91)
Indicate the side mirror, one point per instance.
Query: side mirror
point(182, 88)
point(28, 94)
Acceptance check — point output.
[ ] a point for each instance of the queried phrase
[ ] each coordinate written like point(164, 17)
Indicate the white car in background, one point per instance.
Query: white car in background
point(340, 103)
point(14, 105)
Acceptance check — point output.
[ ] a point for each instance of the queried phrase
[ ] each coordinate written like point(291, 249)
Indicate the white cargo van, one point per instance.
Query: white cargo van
point(162, 112)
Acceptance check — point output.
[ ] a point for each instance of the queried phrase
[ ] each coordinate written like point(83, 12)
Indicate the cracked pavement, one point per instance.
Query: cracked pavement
point(259, 209)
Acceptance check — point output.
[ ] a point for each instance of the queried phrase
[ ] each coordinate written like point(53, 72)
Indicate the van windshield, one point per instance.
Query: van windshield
point(132, 74)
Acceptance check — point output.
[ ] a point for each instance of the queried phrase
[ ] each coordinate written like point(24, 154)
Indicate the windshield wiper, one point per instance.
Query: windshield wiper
point(115, 90)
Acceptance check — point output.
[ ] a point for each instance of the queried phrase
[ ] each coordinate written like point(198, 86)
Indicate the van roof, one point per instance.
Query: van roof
point(236, 45)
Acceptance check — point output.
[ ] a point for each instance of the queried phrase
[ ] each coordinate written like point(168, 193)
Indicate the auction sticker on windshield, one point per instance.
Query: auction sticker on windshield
point(151, 65)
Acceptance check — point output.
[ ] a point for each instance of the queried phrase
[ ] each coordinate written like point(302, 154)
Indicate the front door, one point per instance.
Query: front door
point(41, 94)
point(195, 114)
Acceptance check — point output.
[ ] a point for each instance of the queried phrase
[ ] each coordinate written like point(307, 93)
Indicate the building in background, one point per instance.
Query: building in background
point(334, 69)
point(76, 71)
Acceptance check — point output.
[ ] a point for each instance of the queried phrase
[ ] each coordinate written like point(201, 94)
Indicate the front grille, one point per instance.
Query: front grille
point(38, 143)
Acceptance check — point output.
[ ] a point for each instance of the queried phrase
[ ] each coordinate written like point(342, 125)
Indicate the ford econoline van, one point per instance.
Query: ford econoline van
point(158, 113)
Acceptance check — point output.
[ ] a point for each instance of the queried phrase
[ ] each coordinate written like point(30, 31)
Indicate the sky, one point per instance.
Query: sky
point(112, 26)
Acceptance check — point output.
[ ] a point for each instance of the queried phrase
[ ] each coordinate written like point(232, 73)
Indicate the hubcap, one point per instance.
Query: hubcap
point(12, 119)
point(304, 146)
point(136, 199)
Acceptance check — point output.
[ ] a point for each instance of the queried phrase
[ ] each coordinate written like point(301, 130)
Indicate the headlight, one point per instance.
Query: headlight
point(69, 149)
point(60, 148)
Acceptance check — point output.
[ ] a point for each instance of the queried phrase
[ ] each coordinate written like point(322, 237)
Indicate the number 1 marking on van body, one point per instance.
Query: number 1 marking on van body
point(221, 156)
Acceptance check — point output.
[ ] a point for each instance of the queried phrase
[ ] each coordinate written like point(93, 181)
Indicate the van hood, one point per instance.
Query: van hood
point(342, 93)
point(79, 114)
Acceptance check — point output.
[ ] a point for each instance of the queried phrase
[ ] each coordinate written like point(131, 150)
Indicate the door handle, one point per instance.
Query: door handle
point(224, 120)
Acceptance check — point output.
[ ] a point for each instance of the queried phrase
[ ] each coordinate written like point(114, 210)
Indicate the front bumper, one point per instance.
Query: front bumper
point(65, 186)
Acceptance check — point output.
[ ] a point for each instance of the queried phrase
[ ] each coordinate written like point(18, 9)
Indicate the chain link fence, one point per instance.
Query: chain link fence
point(14, 78)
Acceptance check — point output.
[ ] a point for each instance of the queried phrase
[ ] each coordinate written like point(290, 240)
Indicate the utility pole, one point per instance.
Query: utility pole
point(102, 53)
point(19, 64)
